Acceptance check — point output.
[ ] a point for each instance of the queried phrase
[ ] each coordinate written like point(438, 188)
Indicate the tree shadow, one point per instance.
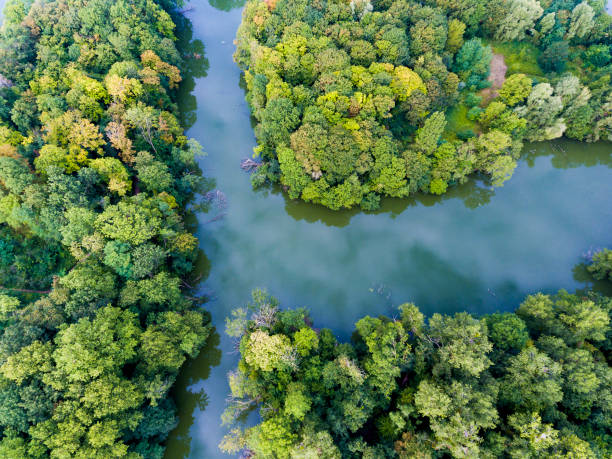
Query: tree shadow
point(226, 5)
point(569, 154)
point(476, 192)
point(189, 398)
point(583, 276)
point(195, 65)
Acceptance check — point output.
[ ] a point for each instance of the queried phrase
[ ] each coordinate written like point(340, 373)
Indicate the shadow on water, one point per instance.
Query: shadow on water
point(186, 393)
point(476, 192)
point(473, 194)
point(569, 154)
point(582, 275)
point(195, 65)
point(190, 398)
point(187, 397)
point(226, 5)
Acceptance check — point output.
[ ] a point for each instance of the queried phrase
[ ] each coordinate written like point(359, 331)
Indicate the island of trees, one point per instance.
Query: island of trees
point(360, 99)
point(533, 383)
point(95, 259)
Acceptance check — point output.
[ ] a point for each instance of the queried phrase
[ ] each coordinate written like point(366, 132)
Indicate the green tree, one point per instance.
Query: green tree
point(278, 120)
point(581, 21)
point(554, 58)
point(92, 341)
point(532, 381)
point(542, 112)
point(515, 89)
point(427, 137)
point(131, 221)
point(521, 15)
point(456, 28)
point(449, 385)
point(602, 264)
point(472, 61)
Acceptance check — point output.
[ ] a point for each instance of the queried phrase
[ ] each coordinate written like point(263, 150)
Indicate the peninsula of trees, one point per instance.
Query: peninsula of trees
point(95, 173)
point(360, 99)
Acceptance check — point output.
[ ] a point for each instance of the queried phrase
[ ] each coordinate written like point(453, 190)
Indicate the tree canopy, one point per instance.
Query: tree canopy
point(531, 383)
point(95, 172)
point(358, 100)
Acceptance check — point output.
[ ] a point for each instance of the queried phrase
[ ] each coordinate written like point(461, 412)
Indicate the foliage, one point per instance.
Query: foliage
point(340, 90)
point(95, 173)
point(533, 383)
point(602, 264)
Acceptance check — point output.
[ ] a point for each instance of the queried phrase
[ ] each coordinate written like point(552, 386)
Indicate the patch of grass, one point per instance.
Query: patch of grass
point(457, 121)
point(519, 57)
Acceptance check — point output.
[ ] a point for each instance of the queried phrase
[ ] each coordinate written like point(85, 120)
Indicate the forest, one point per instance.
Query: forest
point(525, 384)
point(358, 100)
point(96, 312)
point(101, 306)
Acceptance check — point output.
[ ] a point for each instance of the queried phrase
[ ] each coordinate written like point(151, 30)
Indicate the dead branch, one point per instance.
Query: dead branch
point(248, 165)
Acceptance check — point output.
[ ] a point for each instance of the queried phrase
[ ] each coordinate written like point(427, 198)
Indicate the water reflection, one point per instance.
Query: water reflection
point(569, 154)
point(226, 5)
point(190, 396)
point(195, 65)
point(475, 193)
point(187, 391)
point(583, 276)
point(201, 268)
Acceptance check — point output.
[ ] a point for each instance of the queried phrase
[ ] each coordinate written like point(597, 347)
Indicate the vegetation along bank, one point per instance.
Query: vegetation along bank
point(358, 100)
point(528, 384)
point(95, 257)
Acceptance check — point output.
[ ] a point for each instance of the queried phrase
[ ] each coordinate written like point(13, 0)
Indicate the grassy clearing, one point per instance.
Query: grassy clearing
point(457, 121)
point(519, 57)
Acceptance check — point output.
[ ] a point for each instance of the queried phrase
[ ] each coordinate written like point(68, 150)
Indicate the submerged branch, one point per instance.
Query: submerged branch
point(248, 165)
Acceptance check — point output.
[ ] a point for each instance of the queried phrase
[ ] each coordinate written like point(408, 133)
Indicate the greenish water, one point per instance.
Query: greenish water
point(474, 249)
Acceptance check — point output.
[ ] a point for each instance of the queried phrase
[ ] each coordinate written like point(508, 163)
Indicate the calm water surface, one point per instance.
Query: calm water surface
point(474, 249)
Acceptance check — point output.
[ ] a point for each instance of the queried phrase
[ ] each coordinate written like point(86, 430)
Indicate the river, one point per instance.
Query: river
point(474, 249)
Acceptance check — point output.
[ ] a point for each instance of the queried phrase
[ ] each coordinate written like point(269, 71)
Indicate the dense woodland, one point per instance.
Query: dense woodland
point(95, 259)
point(529, 384)
point(354, 100)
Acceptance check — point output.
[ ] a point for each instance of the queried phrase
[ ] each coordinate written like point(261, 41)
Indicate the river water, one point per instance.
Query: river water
point(474, 249)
